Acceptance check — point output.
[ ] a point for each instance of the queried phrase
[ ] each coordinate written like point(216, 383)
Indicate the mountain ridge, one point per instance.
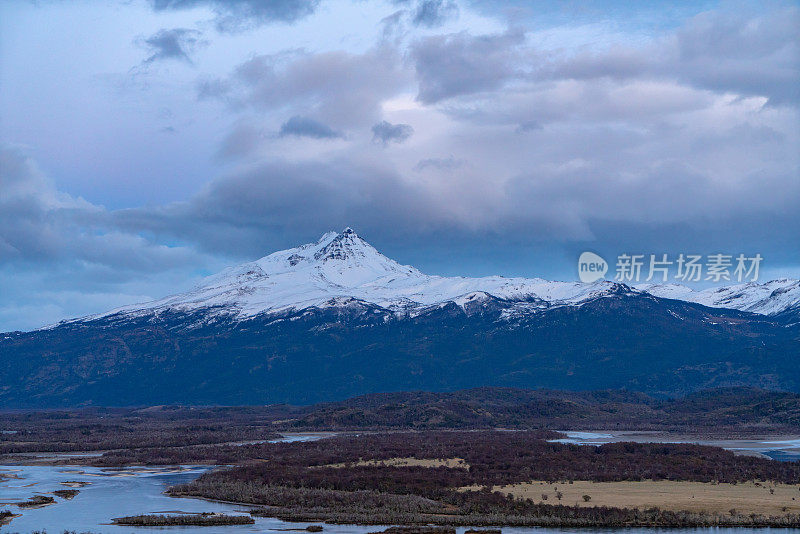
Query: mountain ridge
point(767, 298)
point(341, 266)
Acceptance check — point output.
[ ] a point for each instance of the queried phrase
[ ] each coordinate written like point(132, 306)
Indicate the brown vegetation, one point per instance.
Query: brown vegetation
point(295, 481)
point(722, 411)
point(418, 530)
point(66, 494)
point(5, 517)
point(37, 501)
point(106, 429)
point(193, 520)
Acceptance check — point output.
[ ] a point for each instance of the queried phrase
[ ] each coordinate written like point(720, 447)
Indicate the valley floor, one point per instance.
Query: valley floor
point(347, 469)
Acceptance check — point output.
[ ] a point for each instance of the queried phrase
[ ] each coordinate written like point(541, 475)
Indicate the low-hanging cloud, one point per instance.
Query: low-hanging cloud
point(62, 256)
point(41, 225)
point(296, 200)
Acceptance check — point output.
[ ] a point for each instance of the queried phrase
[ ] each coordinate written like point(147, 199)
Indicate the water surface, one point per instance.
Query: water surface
point(785, 449)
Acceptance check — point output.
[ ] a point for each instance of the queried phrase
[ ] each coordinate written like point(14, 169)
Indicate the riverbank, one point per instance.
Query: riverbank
point(363, 510)
point(104, 495)
point(6, 517)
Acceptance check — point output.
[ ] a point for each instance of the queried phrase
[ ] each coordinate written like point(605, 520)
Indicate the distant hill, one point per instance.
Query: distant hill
point(732, 409)
point(725, 411)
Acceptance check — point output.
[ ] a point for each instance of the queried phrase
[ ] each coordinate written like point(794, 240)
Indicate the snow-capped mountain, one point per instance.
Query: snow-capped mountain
point(342, 266)
point(336, 318)
point(769, 298)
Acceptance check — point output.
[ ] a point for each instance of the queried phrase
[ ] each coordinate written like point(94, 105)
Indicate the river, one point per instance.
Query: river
point(119, 492)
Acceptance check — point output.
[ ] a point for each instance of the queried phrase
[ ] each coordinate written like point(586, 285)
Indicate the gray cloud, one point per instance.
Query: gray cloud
point(462, 64)
point(231, 214)
point(533, 106)
point(61, 256)
point(617, 63)
point(40, 225)
point(750, 54)
point(432, 13)
point(177, 43)
point(687, 71)
point(32, 211)
point(239, 15)
point(212, 88)
point(449, 163)
point(392, 25)
point(241, 141)
point(528, 126)
point(620, 136)
point(385, 132)
point(340, 89)
point(615, 183)
point(307, 127)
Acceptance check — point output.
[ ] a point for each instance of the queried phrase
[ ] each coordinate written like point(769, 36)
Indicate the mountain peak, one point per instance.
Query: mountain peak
point(344, 246)
point(338, 259)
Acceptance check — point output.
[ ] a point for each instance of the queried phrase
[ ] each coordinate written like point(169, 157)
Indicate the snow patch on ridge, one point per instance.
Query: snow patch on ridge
point(768, 298)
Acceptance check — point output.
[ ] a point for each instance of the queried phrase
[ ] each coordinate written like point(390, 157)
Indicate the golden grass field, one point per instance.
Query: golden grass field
point(746, 498)
point(749, 497)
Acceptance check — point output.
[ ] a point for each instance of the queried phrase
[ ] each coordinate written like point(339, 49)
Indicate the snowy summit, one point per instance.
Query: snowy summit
point(341, 267)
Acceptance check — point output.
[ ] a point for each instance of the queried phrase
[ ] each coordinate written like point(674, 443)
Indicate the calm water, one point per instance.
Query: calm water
point(115, 493)
point(786, 450)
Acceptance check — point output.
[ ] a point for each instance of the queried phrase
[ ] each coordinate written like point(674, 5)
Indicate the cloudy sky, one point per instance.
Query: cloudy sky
point(147, 143)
